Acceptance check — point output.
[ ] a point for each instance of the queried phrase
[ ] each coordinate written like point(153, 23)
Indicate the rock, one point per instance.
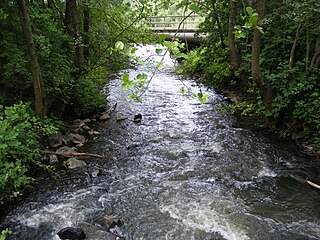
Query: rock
point(77, 125)
point(77, 138)
point(78, 122)
point(53, 159)
point(87, 120)
point(55, 140)
point(95, 173)
point(93, 232)
point(137, 118)
point(104, 116)
point(121, 118)
point(73, 163)
point(117, 232)
point(71, 233)
point(86, 127)
point(92, 132)
point(109, 221)
point(66, 150)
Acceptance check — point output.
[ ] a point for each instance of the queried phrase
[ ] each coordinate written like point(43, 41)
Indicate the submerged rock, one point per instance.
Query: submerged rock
point(71, 233)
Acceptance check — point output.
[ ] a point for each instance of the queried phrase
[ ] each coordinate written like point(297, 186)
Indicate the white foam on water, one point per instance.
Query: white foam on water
point(201, 215)
point(59, 214)
point(266, 172)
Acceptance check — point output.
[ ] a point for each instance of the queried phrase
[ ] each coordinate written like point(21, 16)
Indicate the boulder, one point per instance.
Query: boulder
point(93, 132)
point(93, 232)
point(77, 125)
point(71, 233)
point(77, 138)
point(87, 120)
point(55, 140)
point(53, 159)
point(137, 118)
point(109, 222)
point(95, 173)
point(73, 163)
point(121, 117)
point(66, 150)
point(104, 116)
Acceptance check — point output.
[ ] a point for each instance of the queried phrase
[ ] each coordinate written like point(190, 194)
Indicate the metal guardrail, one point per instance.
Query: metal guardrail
point(172, 22)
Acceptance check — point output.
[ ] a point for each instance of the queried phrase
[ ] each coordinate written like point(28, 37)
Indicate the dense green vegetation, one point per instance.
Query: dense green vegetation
point(54, 59)
point(268, 52)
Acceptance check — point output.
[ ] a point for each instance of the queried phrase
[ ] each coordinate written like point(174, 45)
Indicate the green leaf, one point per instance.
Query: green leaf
point(124, 86)
point(193, 7)
point(253, 20)
point(133, 50)
point(181, 55)
point(159, 51)
point(161, 38)
point(249, 10)
point(159, 65)
point(119, 45)
point(183, 90)
point(142, 77)
point(260, 29)
point(125, 78)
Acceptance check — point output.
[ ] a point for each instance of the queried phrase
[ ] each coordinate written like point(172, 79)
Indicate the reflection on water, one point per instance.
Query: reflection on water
point(184, 173)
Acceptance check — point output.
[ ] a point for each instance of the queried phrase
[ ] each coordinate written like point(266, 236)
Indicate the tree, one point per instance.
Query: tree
point(39, 90)
point(257, 76)
point(234, 55)
point(73, 28)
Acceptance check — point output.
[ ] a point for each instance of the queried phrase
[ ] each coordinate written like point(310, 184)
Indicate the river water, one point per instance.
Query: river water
point(186, 172)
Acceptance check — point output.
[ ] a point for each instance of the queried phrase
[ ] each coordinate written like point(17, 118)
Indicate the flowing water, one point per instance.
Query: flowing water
point(185, 172)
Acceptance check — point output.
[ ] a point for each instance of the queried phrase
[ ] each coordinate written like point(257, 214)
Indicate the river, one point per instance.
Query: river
point(186, 172)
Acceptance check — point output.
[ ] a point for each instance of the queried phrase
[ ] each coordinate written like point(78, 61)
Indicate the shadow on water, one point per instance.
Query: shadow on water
point(185, 172)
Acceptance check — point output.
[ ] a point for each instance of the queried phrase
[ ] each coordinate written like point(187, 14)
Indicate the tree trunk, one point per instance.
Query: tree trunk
point(39, 90)
point(73, 28)
point(316, 57)
point(293, 49)
point(234, 55)
point(217, 19)
point(263, 83)
point(86, 28)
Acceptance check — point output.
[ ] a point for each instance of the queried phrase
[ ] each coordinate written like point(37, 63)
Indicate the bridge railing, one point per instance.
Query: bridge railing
point(172, 22)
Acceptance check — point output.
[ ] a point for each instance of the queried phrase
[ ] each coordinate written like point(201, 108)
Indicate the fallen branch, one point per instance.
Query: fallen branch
point(312, 184)
point(72, 154)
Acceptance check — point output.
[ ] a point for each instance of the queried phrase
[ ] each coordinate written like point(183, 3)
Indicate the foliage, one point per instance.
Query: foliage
point(290, 39)
point(20, 135)
point(87, 96)
point(210, 63)
point(5, 233)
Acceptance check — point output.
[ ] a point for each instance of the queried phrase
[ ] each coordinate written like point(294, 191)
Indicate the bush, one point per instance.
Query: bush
point(210, 62)
point(87, 96)
point(20, 135)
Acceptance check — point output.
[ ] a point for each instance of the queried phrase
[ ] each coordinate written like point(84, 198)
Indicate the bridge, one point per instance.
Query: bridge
point(177, 26)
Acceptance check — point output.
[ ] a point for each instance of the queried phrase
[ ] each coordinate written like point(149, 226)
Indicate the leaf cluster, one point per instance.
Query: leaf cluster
point(20, 135)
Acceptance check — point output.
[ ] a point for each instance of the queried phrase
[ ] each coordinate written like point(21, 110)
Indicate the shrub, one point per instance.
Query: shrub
point(87, 96)
point(20, 135)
